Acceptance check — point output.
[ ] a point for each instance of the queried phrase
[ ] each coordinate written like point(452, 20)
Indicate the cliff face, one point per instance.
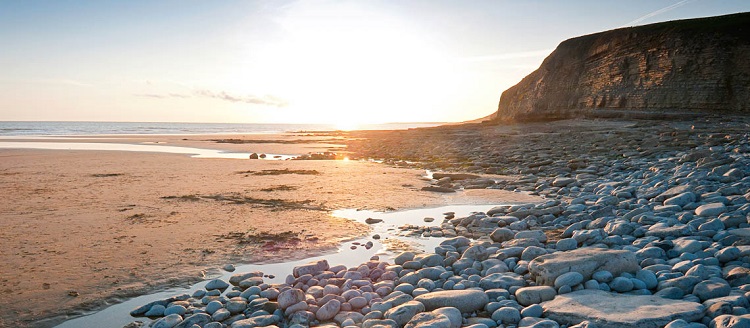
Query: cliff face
point(689, 65)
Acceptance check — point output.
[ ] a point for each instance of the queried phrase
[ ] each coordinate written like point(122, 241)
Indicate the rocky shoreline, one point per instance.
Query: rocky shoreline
point(645, 224)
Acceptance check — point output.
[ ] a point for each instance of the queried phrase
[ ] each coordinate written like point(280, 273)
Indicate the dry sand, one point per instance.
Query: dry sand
point(81, 228)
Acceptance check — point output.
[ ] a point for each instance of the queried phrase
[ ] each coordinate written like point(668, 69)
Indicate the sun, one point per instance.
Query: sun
point(376, 70)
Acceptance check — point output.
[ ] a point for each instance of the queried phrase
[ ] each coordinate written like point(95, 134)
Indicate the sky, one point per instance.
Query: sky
point(342, 62)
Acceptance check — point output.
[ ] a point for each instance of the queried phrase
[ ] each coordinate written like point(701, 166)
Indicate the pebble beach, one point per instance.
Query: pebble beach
point(640, 223)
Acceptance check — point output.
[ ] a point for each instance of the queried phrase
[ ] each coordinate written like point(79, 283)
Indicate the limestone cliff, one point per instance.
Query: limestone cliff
point(685, 66)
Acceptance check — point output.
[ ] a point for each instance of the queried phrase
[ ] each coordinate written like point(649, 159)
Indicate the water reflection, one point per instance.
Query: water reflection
point(118, 315)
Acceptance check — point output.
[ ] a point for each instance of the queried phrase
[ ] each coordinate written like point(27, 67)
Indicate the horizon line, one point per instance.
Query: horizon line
point(183, 122)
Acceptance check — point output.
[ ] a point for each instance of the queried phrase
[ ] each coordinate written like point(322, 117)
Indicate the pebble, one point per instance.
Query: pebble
point(168, 321)
point(216, 284)
point(453, 315)
point(428, 319)
point(534, 295)
point(401, 314)
point(373, 221)
point(648, 277)
point(221, 315)
point(568, 278)
point(534, 311)
point(155, 311)
point(213, 306)
point(507, 315)
point(199, 319)
point(566, 244)
point(466, 301)
point(621, 284)
point(603, 276)
point(710, 210)
point(708, 289)
point(328, 310)
point(175, 309)
point(669, 219)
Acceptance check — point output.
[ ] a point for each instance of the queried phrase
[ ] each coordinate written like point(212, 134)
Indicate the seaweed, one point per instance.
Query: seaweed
point(273, 204)
point(280, 188)
point(280, 172)
point(106, 175)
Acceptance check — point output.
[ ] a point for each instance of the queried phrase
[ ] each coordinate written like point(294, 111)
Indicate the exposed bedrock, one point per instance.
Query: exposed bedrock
point(679, 66)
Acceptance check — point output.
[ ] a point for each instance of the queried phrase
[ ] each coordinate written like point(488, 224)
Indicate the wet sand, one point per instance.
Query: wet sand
point(84, 228)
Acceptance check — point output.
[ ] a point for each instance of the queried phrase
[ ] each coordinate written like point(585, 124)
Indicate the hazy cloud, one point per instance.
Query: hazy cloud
point(267, 100)
point(657, 12)
point(151, 95)
point(161, 96)
point(250, 99)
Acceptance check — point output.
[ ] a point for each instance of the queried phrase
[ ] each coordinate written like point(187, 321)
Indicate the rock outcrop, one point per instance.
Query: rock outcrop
point(678, 66)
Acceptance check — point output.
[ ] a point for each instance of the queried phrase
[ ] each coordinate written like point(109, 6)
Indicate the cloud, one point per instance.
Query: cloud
point(251, 99)
point(160, 96)
point(657, 12)
point(267, 100)
point(151, 95)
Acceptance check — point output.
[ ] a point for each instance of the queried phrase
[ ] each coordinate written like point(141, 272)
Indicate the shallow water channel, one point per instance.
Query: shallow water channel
point(118, 315)
point(145, 147)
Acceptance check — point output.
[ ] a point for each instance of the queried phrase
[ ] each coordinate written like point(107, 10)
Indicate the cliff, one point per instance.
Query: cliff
point(679, 66)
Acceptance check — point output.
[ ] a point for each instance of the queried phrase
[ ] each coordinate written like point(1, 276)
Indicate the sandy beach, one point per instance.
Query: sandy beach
point(84, 228)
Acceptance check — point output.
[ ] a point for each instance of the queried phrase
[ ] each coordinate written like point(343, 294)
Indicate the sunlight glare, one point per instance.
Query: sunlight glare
point(379, 68)
point(347, 126)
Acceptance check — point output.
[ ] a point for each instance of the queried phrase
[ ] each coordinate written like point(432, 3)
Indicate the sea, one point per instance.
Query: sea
point(27, 128)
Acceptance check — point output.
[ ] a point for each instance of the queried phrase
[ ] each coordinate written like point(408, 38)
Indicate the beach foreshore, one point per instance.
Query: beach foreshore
point(82, 229)
point(617, 214)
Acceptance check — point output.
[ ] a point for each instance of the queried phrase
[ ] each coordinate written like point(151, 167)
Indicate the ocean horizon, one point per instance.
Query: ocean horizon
point(88, 128)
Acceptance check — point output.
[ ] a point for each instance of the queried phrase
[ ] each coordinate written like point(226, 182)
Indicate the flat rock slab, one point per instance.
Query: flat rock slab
point(546, 268)
point(613, 310)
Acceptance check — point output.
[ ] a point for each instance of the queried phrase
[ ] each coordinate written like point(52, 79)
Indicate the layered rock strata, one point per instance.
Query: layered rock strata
point(679, 66)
